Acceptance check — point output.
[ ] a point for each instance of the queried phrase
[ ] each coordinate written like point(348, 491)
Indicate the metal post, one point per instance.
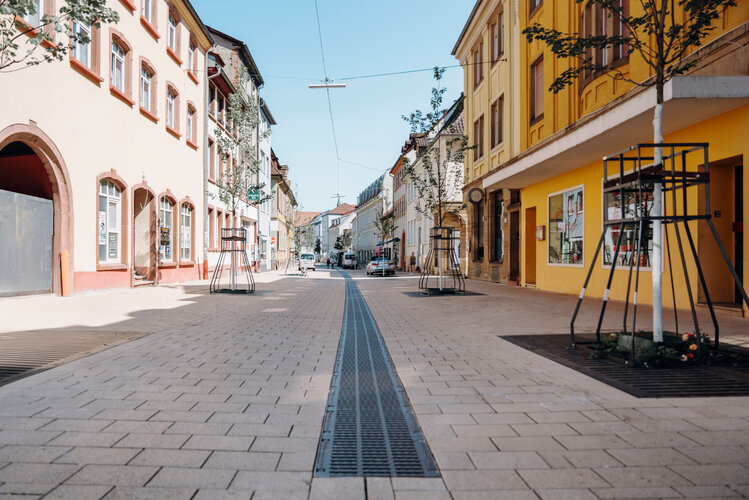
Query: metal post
point(608, 284)
point(585, 285)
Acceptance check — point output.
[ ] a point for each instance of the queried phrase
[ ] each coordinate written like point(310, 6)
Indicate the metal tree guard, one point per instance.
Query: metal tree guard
point(233, 243)
point(631, 188)
point(441, 250)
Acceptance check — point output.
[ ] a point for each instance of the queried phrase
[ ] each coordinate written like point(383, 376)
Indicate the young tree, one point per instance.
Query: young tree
point(237, 181)
point(662, 37)
point(29, 37)
point(437, 172)
point(318, 246)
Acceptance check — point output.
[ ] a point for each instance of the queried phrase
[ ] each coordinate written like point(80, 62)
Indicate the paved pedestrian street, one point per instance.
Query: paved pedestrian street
point(225, 397)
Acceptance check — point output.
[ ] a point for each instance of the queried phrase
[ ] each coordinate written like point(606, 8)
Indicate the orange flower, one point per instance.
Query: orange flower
point(693, 347)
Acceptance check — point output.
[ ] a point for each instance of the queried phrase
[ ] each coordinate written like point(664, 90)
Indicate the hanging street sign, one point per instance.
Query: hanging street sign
point(253, 195)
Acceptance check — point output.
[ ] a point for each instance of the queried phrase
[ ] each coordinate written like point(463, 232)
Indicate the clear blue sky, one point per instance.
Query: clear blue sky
point(360, 38)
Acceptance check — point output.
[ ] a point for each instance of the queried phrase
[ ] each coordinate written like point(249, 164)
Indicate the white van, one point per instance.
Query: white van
point(307, 261)
point(349, 260)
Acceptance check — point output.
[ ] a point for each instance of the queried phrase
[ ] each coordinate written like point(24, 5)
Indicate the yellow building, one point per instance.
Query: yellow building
point(537, 170)
point(282, 214)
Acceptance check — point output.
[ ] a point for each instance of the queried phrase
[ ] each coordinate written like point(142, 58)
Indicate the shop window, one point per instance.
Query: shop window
point(537, 89)
point(479, 231)
point(498, 206)
point(110, 222)
point(186, 232)
point(628, 244)
point(566, 227)
point(166, 230)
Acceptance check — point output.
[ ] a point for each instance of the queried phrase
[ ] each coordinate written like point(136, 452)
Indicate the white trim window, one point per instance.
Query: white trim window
point(81, 50)
point(171, 32)
point(186, 232)
point(165, 230)
point(170, 103)
point(118, 67)
point(109, 222)
point(566, 227)
point(35, 19)
point(191, 57)
point(145, 10)
point(190, 124)
point(145, 88)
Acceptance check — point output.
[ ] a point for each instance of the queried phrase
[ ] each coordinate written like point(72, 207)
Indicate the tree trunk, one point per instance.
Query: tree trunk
point(657, 264)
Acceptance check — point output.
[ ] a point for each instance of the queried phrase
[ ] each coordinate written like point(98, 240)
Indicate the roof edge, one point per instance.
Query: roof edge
point(465, 28)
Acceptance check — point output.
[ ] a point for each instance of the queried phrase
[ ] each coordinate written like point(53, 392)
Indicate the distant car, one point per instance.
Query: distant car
point(307, 261)
point(380, 265)
point(349, 260)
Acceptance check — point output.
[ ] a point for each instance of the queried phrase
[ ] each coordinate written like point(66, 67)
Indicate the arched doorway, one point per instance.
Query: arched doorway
point(35, 214)
point(145, 227)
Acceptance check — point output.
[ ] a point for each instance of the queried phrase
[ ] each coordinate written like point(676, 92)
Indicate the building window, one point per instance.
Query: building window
point(220, 111)
point(35, 18)
point(211, 229)
point(146, 10)
point(478, 138)
point(118, 67)
point(478, 64)
point(171, 32)
point(537, 89)
point(479, 231)
point(82, 49)
point(186, 232)
point(166, 233)
point(498, 33)
point(212, 102)
point(191, 124)
point(110, 222)
point(498, 252)
point(533, 5)
point(497, 125)
point(171, 105)
point(566, 227)
point(191, 56)
point(146, 88)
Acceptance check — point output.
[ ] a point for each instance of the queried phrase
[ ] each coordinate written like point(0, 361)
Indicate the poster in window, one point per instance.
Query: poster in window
point(102, 228)
point(165, 237)
point(112, 247)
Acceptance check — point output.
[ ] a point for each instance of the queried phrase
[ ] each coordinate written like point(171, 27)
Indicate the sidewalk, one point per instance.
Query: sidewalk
point(225, 399)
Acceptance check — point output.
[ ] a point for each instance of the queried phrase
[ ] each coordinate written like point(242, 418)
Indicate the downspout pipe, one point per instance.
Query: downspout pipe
point(206, 159)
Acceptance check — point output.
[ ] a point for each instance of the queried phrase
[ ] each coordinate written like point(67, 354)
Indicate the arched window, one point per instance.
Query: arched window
point(146, 90)
point(166, 230)
point(110, 222)
point(118, 66)
point(191, 125)
point(172, 109)
point(186, 232)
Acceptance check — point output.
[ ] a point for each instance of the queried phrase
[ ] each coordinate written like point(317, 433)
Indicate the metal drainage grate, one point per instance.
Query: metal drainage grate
point(695, 381)
point(25, 353)
point(370, 428)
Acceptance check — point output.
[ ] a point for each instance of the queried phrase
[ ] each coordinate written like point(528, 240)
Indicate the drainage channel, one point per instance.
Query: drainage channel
point(370, 428)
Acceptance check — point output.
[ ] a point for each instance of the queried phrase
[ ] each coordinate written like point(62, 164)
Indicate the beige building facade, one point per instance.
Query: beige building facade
point(111, 138)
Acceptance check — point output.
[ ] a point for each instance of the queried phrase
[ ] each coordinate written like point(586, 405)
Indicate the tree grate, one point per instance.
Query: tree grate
point(370, 428)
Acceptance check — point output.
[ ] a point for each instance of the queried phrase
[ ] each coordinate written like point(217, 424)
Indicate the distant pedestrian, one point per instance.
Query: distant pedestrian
point(412, 263)
point(328, 263)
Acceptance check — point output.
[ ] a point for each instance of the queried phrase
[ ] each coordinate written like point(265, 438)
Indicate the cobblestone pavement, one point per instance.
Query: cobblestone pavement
point(225, 399)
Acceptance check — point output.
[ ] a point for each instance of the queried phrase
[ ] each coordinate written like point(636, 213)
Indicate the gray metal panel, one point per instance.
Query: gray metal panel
point(26, 229)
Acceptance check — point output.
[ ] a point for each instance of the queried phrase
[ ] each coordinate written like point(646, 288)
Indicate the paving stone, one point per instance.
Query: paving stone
point(223, 443)
point(534, 443)
point(417, 483)
point(271, 481)
point(214, 494)
point(182, 477)
point(302, 461)
point(707, 492)
point(84, 455)
point(566, 494)
point(147, 440)
point(338, 488)
point(543, 429)
point(624, 477)
point(706, 454)
point(562, 478)
point(113, 475)
point(477, 430)
point(203, 429)
point(77, 492)
point(650, 456)
point(29, 473)
point(42, 454)
point(174, 458)
point(132, 426)
point(257, 461)
point(482, 480)
point(30, 438)
point(718, 474)
point(87, 439)
point(136, 493)
point(637, 492)
point(507, 460)
point(67, 424)
point(16, 490)
point(596, 442)
point(495, 495)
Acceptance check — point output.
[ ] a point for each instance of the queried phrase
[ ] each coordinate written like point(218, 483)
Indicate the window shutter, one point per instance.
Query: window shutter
point(538, 87)
point(500, 114)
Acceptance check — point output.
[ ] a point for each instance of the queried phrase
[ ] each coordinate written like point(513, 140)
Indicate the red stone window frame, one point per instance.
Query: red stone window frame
point(150, 25)
point(174, 51)
point(191, 261)
point(126, 94)
point(191, 130)
point(175, 224)
point(22, 25)
point(124, 222)
point(151, 113)
point(92, 72)
point(129, 5)
point(174, 130)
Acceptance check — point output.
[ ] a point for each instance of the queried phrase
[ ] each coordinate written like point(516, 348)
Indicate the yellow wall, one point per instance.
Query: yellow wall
point(726, 134)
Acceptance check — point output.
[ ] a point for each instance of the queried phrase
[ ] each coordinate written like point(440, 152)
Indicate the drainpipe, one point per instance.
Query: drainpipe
point(206, 159)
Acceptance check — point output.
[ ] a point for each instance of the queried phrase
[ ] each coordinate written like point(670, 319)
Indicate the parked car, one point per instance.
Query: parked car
point(307, 261)
point(380, 265)
point(349, 260)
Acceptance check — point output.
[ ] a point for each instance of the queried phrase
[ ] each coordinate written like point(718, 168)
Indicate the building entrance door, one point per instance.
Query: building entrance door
point(26, 222)
point(530, 246)
point(144, 237)
point(514, 245)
